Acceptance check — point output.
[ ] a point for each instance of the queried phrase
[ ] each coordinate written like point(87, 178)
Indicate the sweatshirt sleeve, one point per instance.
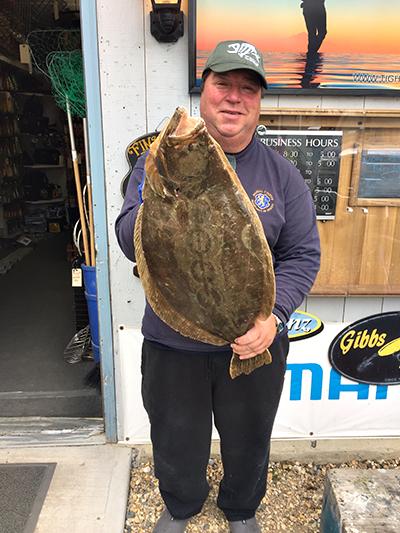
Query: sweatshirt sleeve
point(125, 223)
point(297, 251)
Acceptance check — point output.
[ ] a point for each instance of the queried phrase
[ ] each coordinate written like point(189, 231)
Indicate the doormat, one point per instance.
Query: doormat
point(23, 488)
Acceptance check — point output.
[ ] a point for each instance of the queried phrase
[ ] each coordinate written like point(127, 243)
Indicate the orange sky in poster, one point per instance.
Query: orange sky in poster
point(279, 29)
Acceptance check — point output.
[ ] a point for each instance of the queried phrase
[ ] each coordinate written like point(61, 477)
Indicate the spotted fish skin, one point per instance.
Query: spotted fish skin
point(201, 250)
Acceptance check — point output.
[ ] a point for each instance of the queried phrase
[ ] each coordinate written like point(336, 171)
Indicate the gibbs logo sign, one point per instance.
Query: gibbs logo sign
point(368, 350)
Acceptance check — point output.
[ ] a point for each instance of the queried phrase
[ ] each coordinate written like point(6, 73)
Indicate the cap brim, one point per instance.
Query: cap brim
point(234, 66)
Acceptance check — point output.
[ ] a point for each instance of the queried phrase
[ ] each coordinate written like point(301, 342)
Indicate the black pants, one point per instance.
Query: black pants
point(180, 392)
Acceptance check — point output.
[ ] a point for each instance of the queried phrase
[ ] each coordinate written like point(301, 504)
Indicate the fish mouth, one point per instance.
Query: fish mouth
point(183, 127)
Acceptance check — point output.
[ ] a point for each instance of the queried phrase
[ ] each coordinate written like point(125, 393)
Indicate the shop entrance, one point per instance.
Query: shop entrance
point(40, 310)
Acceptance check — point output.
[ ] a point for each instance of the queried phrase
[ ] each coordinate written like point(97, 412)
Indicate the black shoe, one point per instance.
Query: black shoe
point(245, 526)
point(168, 524)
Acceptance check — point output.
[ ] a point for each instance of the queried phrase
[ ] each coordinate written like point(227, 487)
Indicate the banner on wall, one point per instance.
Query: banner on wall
point(317, 401)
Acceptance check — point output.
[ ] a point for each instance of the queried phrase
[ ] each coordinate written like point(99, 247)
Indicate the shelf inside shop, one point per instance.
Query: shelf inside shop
point(41, 202)
point(27, 93)
point(9, 202)
point(14, 63)
point(44, 166)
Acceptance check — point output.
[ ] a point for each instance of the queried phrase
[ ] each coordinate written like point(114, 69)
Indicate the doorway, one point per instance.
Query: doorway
point(40, 310)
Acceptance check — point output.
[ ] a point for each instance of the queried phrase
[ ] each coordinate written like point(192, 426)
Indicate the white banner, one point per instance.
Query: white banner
point(316, 402)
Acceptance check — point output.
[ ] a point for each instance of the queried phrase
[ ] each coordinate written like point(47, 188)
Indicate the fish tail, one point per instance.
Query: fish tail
point(246, 366)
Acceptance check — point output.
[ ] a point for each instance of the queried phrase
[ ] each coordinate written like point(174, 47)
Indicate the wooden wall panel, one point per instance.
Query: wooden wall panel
point(341, 239)
point(378, 243)
point(361, 246)
point(394, 273)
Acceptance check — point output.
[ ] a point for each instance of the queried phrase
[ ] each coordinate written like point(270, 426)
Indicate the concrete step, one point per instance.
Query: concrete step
point(361, 501)
point(83, 402)
point(89, 489)
point(49, 431)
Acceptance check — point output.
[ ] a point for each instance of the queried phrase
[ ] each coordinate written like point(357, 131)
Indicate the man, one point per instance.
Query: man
point(314, 13)
point(185, 382)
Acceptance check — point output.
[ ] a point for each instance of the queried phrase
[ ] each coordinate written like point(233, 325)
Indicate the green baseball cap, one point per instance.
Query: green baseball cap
point(234, 55)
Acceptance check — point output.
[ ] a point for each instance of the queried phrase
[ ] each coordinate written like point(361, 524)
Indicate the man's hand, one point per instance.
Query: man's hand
point(257, 339)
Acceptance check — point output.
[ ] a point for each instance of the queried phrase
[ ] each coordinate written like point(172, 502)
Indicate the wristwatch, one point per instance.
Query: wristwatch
point(280, 326)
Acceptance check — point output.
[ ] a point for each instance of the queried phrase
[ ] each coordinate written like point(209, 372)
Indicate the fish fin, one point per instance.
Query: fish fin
point(246, 366)
point(159, 303)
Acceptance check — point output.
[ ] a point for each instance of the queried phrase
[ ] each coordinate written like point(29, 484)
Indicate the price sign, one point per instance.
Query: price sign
point(316, 154)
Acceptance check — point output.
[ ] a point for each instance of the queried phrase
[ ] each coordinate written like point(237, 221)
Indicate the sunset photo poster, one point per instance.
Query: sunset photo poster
point(309, 46)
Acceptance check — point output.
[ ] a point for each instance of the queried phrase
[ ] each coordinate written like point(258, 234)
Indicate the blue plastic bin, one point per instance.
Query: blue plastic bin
point(89, 278)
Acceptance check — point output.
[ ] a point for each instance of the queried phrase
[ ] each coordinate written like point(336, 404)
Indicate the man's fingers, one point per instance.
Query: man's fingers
point(256, 339)
point(244, 348)
point(248, 350)
point(246, 339)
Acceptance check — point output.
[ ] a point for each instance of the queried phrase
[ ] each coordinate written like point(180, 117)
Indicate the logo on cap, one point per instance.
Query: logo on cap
point(246, 51)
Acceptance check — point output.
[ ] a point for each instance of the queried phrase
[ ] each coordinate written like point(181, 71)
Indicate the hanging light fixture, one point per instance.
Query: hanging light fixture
point(166, 20)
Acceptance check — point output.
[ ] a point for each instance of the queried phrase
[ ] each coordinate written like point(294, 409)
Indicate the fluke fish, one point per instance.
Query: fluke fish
point(201, 251)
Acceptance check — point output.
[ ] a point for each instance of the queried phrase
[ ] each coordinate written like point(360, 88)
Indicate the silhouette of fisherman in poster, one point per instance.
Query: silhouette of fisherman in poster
point(315, 17)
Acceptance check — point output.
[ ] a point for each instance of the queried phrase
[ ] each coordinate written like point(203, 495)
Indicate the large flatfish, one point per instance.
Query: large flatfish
point(201, 252)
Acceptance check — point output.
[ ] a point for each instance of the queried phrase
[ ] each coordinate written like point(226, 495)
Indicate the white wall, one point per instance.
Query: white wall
point(142, 82)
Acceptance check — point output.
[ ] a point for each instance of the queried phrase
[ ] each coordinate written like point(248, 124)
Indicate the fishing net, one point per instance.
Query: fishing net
point(43, 42)
point(65, 70)
point(57, 54)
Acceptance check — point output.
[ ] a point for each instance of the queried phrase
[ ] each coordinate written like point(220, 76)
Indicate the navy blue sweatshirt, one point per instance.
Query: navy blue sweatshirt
point(284, 204)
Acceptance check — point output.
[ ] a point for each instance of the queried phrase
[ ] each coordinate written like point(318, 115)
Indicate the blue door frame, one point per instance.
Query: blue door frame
point(93, 105)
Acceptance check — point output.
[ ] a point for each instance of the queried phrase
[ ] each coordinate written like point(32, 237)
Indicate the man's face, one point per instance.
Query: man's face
point(230, 107)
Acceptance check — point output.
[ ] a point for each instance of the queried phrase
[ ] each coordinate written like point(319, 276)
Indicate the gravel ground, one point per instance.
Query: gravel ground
point(292, 504)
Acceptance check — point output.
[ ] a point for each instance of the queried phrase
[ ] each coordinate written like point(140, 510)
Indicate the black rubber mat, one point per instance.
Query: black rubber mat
point(23, 488)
